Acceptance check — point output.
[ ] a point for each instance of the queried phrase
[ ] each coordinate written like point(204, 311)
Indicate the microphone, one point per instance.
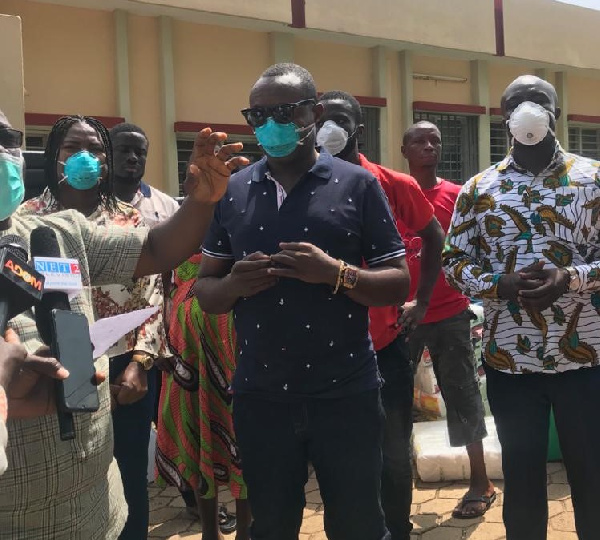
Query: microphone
point(44, 243)
point(20, 285)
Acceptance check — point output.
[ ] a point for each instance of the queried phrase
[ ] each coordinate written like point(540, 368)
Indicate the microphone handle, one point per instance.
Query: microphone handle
point(3, 317)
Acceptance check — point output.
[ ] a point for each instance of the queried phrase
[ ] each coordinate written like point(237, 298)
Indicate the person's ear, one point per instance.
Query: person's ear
point(360, 129)
point(557, 113)
point(318, 111)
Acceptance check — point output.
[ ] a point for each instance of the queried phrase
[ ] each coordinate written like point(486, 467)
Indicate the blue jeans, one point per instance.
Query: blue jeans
point(397, 397)
point(521, 408)
point(342, 439)
point(131, 428)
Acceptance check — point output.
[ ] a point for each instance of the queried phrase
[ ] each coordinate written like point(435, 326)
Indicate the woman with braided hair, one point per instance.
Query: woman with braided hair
point(79, 173)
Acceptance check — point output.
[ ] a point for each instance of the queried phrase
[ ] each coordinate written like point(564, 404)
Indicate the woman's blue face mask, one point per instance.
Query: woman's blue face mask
point(82, 170)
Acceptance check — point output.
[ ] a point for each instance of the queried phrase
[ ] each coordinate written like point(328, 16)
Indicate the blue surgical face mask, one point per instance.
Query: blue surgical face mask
point(12, 189)
point(82, 170)
point(280, 140)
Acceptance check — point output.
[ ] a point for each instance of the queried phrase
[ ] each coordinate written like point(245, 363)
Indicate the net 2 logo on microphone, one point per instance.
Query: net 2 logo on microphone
point(61, 274)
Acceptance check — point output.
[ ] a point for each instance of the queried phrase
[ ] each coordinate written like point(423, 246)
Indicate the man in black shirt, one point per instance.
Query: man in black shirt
point(285, 252)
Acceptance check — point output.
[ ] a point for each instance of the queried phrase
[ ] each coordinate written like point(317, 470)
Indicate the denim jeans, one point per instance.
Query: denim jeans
point(342, 439)
point(131, 428)
point(397, 397)
point(521, 408)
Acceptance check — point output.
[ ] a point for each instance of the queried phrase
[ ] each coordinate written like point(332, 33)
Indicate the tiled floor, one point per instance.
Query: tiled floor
point(432, 506)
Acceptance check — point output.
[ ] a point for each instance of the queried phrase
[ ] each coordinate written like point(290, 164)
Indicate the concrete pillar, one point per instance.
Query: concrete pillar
point(480, 95)
point(167, 99)
point(282, 47)
point(382, 88)
point(405, 92)
point(11, 80)
point(562, 125)
point(122, 64)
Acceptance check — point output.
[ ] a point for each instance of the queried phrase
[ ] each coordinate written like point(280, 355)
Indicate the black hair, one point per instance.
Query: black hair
point(57, 135)
point(348, 98)
point(126, 127)
point(410, 131)
point(285, 68)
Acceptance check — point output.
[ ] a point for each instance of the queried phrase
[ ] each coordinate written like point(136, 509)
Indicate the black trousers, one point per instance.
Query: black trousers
point(521, 408)
point(342, 439)
point(397, 397)
point(131, 428)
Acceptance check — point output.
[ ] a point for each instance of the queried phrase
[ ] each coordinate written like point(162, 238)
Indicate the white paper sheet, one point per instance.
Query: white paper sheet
point(106, 332)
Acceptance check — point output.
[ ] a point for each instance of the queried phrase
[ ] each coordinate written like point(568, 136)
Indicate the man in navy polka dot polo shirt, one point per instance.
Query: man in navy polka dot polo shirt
point(286, 252)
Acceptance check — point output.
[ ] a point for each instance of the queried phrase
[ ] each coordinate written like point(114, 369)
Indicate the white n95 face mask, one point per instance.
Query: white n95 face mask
point(529, 123)
point(332, 137)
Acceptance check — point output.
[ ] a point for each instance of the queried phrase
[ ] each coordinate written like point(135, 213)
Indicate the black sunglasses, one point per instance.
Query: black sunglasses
point(282, 114)
point(11, 138)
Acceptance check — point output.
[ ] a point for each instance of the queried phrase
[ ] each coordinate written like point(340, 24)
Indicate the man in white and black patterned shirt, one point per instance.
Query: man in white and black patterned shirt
point(525, 237)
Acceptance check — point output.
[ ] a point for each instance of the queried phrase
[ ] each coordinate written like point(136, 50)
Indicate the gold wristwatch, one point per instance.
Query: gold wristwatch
point(145, 360)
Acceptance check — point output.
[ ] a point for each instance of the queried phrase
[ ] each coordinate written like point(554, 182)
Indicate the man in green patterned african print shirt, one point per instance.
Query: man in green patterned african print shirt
point(525, 238)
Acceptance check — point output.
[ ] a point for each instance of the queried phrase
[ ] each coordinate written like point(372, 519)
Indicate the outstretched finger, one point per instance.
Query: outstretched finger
point(48, 367)
point(284, 272)
point(284, 259)
point(206, 141)
point(237, 162)
point(536, 293)
point(10, 336)
point(256, 256)
point(227, 150)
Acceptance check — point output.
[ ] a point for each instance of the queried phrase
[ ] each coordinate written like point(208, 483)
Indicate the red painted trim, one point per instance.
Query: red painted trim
point(367, 101)
point(45, 119)
point(583, 118)
point(495, 111)
point(430, 106)
point(499, 25)
point(371, 101)
point(298, 14)
point(194, 127)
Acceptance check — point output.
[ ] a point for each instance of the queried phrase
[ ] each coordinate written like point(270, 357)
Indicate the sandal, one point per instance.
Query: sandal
point(227, 521)
point(459, 512)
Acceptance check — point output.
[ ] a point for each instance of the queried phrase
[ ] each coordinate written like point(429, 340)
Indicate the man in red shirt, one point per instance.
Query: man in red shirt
point(446, 328)
point(339, 127)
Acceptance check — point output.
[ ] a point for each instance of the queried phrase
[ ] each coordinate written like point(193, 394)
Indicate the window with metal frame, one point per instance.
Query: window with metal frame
point(369, 143)
point(459, 159)
point(36, 138)
point(498, 141)
point(185, 144)
point(585, 141)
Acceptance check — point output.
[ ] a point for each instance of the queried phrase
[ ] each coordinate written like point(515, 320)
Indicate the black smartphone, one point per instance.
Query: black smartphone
point(73, 349)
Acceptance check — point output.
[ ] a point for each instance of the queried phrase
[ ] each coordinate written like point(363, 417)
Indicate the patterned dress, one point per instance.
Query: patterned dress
point(196, 448)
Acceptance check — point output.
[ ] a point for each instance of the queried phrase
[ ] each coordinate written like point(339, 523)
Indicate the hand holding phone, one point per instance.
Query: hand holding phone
point(72, 347)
